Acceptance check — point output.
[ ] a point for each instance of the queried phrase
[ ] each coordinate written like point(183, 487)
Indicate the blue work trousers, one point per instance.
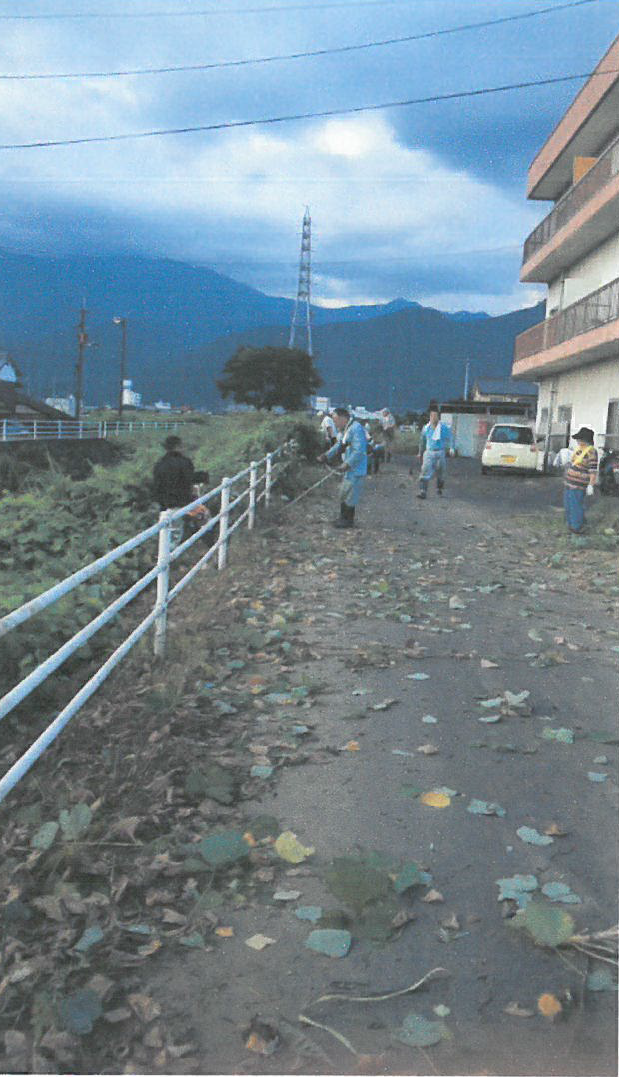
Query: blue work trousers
point(575, 508)
point(433, 463)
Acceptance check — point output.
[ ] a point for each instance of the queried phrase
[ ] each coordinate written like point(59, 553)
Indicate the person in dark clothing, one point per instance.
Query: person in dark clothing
point(173, 476)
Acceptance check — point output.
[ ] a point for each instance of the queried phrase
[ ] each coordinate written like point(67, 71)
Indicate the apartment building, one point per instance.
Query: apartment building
point(573, 353)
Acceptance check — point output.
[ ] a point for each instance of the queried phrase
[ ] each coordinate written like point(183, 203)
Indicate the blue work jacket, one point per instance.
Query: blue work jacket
point(443, 442)
point(354, 443)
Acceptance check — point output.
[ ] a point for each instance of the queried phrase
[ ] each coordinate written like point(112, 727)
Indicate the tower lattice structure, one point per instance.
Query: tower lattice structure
point(301, 312)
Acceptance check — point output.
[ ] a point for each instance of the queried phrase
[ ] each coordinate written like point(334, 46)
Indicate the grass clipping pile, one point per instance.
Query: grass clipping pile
point(130, 840)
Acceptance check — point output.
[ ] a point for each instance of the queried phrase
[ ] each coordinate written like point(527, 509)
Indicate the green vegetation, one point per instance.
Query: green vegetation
point(54, 525)
point(270, 377)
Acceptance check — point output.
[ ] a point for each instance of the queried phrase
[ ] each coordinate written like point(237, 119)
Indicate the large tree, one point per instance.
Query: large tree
point(269, 377)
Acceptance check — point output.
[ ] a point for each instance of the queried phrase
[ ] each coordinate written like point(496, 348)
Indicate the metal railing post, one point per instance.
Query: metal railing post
point(80, 430)
point(161, 603)
point(99, 429)
point(252, 499)
point(224, 514)
point(4, 429)
point(268, 478)
point(34, 430)
point(105, 428)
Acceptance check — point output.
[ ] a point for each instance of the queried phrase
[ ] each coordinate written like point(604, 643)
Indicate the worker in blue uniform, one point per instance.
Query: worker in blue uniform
point(352, 448)
point(435, 441)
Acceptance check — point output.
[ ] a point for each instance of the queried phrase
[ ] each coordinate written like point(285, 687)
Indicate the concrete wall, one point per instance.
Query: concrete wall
point(588, 389)
point(597, 268)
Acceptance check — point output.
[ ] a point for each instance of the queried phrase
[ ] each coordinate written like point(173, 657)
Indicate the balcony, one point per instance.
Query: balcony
point(581, 333)
point(583, 218)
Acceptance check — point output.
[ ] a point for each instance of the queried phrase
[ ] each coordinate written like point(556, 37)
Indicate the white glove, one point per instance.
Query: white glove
point(590, 490)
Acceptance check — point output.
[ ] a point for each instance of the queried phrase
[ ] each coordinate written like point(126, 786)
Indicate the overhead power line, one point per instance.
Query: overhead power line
point(199, 13)
point(324, 114)
point(336, 50)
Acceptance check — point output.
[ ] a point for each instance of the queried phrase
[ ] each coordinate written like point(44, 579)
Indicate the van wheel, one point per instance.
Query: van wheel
point(484, 470)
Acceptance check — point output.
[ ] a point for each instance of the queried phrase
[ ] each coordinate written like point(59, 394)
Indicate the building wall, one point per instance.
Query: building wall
point(470, 431)
point(588, 390)
point(597, 268)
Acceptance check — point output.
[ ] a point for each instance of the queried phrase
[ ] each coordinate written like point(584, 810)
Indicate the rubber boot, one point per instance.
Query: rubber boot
point(422, 490)
point(440, 486)
point(343, 521)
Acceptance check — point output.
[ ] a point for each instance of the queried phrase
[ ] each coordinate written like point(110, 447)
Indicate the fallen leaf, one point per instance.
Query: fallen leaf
point(485, 663)
point(513, 1009)
point(286, 895)
point(485, 807)
point(78, 1012)
point(329, 941)
point(546, 925)
point(532, 837)
point(417, 1031)
point(549, 1006)
point(601, 980)
point(114, 1017)
point(427, 749)
point(224, 932)
point(564, 736)
point(144, 1007)
point(595, 776)
point(351, 746)
point(435, 800)
point(259, 942)
point(384, 705)
point(560, 892)
point(313, 913)
point(554, 830)
point(433, 896)
point(411, 875)
point(290, 849)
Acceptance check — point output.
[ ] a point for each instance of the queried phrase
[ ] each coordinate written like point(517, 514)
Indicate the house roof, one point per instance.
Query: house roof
point(10, 397)
point(506, 387)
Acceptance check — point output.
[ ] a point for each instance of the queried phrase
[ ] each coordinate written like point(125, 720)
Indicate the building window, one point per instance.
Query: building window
point(611, 431)
point(565, 413)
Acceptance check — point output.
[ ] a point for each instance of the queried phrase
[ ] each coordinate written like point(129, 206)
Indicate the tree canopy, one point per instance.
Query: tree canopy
point(269, 377)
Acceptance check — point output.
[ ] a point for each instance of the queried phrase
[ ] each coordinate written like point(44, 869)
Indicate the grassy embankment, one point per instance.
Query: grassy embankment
point(54, 524)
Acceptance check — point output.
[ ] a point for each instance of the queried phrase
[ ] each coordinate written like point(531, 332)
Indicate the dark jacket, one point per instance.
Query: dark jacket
point(172, 480)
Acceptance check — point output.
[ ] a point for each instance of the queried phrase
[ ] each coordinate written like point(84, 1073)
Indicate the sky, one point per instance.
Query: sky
point(426, 202)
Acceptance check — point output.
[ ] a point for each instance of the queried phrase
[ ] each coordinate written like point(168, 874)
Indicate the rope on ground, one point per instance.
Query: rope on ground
point(311, 488)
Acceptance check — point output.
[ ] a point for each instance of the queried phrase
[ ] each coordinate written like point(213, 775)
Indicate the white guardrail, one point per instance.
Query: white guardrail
point(260, 477)
point(75, 429)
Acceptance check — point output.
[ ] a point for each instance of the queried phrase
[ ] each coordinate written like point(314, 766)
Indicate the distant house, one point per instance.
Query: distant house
point(131, 399)
point(62, 403)
point(15, 404)
point(9, 371)
point(504, 391)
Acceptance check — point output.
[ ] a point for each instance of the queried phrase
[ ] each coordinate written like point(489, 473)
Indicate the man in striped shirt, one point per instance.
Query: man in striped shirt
point(579, 479)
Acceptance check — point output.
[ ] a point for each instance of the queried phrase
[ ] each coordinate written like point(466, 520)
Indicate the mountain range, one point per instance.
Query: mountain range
point(185, 320)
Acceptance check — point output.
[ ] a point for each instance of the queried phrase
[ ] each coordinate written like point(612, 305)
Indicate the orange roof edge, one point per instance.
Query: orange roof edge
point(589, 96)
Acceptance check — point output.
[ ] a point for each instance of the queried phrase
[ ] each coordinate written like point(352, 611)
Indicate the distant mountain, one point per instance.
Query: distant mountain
point(184, 321)
point(402, 359)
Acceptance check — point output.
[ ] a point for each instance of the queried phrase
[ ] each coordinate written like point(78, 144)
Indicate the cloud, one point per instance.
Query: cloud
point(425, 202)
point(380, 209)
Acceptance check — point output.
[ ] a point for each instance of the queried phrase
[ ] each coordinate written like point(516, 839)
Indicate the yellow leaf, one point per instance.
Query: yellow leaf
point(549, 1005)
point(249, 838)
point(224, 932)
point(289, 848)
point(435, 800)
point(351, 746)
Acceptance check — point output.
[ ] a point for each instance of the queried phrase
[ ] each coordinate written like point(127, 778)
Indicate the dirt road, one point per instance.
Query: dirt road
point(429, 704)
point(413, 625)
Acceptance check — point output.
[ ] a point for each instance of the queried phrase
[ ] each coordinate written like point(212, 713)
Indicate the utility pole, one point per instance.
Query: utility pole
point(123, 324)
point(79, 369)
point(466, 386)
point(302, 302)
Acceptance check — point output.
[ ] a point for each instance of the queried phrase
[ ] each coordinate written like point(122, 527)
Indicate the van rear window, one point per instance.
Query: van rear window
point(512, 435)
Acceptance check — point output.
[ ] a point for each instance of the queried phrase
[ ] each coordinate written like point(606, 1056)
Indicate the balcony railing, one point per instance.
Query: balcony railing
point(592, 311)
point(575, 199)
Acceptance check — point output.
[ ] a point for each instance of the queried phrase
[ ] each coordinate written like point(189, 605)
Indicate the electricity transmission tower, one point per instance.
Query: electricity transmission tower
point(301, 311)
